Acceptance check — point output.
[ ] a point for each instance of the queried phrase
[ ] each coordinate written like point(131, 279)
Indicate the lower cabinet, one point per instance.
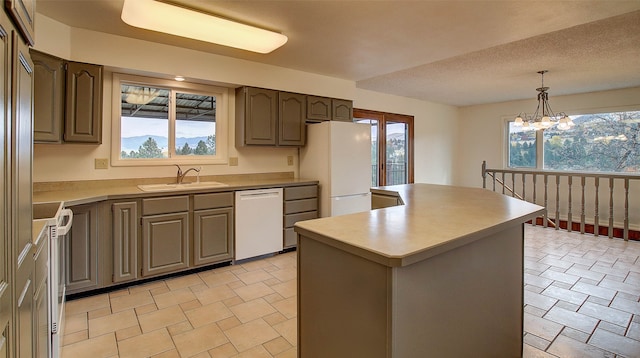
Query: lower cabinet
point(212, 233)
point(300, 203)
point(24, 315)
point(379, 201)
point(124, 225)
point(40, 300)
point(165, 243)
point(82, 249)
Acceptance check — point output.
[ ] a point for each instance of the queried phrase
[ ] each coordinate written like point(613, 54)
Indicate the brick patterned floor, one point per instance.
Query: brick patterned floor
point(582, 299)
point(582, 295)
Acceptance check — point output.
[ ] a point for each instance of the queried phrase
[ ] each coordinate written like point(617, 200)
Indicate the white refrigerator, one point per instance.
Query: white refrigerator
point(338, 155)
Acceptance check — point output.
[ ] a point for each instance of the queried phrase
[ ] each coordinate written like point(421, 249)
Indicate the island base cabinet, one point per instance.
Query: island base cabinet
point(466, 302)
point(165, 243)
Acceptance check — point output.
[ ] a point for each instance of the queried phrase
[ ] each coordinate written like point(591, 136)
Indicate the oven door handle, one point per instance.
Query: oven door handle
point(63, 230)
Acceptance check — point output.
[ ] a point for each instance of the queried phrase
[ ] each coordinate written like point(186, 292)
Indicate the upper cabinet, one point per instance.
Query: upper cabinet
point(83, 110)
point(268, 117)
point(329, 109)
point(23, 13)
point(291, 112)
point(49, 97)
point(276, 118)
point(318, 108)
point(68, 100)
point(341, 110)
point(256, 116)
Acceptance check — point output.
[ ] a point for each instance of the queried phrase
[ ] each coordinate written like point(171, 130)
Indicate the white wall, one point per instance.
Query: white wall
point(434, 123)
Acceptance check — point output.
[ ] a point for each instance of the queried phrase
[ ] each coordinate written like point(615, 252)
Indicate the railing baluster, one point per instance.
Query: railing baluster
point(569, 218)
point(557, 202)
point(596, 218)
point(565, 207)
point(610, 208)
point(484, 174)
point(493, 175)
point(582, 181)
point(625, 235)
point(546, 212)
point(535, 179)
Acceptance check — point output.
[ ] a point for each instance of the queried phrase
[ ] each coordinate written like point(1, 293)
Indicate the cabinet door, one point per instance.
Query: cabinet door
point(212, 236)
point(260, 116)
point(6, 277)
point(291, 119)
point(24, 15)
point(21, 192)
point(82, 249)
point(41, 322)
point(83, 110)
point(125, 241)
point(48, 97)
point(24, 333)
point(318, 108)
point(165, 243)
point(342, 110)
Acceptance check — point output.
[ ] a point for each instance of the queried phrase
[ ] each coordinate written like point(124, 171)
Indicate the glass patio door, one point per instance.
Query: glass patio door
point(391, 146)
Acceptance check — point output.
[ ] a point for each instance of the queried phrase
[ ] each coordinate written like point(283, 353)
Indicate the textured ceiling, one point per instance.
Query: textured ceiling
point(454, 52)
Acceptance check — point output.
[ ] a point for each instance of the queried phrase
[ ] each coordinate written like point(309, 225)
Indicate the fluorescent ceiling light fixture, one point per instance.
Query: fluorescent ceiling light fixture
point(174, 20)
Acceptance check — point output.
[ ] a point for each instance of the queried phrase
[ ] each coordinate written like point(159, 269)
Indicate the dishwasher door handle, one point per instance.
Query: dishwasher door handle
point(258, 196)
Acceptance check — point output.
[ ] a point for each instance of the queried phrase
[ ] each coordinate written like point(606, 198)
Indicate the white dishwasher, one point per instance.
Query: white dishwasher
point(258, 222)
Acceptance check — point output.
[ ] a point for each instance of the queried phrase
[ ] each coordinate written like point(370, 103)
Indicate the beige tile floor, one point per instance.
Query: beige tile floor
point(582, 299)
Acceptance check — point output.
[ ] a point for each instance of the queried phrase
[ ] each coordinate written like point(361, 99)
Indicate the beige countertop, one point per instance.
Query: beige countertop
point(434, 219)
point(84, 192)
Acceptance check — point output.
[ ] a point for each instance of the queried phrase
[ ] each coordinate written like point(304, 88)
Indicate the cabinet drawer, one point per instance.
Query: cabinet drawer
point(212, 201)
point(290, 237)
point(291, 219)
point(300, 192)
point(171, 204)
point(298, 206)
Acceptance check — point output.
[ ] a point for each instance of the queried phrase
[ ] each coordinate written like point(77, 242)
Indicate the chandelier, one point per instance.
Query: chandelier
point(543, 117)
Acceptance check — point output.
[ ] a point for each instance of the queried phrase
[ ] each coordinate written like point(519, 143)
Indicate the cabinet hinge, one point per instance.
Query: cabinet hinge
point(140, 221)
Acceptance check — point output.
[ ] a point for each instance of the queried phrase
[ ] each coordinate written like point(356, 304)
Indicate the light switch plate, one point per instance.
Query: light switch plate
point(101, 163)
point(289, 159)
point(233, 161)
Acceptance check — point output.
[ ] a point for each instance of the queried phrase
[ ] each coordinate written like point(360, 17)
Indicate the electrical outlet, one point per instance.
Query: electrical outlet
point(101, 163)
point(233, 161)
point(289, 159)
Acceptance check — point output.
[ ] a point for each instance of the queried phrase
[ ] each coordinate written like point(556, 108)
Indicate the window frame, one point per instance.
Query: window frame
point(222, 121)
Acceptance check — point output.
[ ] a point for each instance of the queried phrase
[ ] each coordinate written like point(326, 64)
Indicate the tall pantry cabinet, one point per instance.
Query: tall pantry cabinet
point(17, 286)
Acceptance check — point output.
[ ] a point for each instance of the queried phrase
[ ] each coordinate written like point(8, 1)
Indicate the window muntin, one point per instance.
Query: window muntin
point(602, 142)
point(159, 122)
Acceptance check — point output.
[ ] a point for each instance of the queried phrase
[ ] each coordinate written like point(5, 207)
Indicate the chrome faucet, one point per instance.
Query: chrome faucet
point(180, 175)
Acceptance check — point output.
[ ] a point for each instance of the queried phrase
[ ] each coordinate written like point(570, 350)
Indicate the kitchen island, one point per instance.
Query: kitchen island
point(441, 276)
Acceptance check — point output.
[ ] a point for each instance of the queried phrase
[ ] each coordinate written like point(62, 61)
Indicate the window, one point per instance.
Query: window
point(391, 146)
point(158, 122)
point(602, 142)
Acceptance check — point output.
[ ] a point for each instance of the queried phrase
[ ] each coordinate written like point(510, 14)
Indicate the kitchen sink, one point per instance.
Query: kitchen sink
point(182, 186)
